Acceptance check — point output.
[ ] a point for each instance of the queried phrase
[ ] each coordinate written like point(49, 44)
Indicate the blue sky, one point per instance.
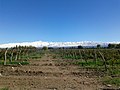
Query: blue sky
point(59, 20)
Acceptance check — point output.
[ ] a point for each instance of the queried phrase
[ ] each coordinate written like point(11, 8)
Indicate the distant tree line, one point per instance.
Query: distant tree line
point(110, 46)
point(114, 46)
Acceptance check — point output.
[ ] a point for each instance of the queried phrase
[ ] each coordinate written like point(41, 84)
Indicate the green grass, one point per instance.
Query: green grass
point(89, 63)
point(112, 81)
point(5, 88)
point(98, 63)
point(113, 72)
point(71, 57)
point(111, 76)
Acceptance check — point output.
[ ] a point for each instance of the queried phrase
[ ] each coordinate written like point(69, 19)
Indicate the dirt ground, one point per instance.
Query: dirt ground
point(47, 74)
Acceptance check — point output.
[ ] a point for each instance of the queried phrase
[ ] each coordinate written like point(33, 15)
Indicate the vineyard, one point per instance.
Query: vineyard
point(106, 58)
point(104, 62)
point(19, 55)
point(100, 64)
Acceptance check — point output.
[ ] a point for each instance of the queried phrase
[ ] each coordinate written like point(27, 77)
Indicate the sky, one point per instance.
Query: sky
point(59, 20)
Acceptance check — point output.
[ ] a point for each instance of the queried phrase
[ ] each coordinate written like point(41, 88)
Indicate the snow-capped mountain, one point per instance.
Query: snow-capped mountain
point(56, 44)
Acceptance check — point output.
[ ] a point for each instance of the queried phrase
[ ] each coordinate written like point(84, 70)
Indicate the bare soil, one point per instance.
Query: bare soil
point(48, 74)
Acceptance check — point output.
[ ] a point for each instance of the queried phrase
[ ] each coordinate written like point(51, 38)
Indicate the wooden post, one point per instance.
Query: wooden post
point(11, 57)
point(5, 61)
point(95, 59)
point(19, 55)
point(81, 57)
point(105, 64)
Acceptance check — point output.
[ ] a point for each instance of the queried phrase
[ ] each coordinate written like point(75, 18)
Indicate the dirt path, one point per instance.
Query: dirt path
point(46, 74)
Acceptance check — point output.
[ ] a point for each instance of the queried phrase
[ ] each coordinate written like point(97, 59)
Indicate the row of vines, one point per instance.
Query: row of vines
point(19, 55)
point(94, 57)
point(104, 62)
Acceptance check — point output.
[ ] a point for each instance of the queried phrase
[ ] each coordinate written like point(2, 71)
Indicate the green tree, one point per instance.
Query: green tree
point(80, 47)
point(45, 48)
point(111, 45)
point(98, 46)
point(118, 46)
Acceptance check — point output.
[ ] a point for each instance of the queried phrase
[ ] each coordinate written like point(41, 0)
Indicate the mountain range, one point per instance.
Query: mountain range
point(57, 44)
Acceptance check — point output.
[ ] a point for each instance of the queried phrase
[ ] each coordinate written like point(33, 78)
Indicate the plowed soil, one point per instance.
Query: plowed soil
point(48, 74)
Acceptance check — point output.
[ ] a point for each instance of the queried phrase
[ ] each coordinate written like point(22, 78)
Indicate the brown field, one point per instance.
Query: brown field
point(48, 74)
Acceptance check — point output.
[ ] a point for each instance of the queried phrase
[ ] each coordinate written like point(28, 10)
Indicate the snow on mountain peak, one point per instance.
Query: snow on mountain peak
point(55, 44)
